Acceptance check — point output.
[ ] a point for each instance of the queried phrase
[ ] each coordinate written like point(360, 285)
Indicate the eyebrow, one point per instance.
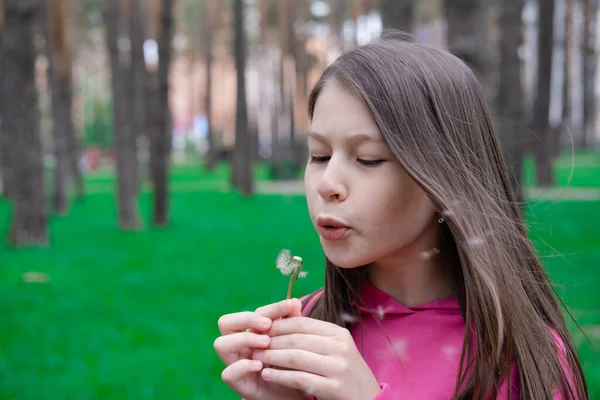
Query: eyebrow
point(353, 140)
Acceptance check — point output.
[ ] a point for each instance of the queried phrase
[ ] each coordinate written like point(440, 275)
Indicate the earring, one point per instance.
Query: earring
point(441, 220)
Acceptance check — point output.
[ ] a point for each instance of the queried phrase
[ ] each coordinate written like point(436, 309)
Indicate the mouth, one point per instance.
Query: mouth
point(330, 228)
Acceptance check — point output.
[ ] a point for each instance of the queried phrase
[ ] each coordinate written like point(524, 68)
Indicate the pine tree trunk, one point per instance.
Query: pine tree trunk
point(242, 159)
point(208, 59)
point(566, 96)
point(20, 124)
point(542, 102)
point(137, 37)
point(62, 95)
point(160, 147)
point(467, 34)
point(397, 14)
point(509, 100)
point(4, 165)
point(124, 139)
point(589, 71)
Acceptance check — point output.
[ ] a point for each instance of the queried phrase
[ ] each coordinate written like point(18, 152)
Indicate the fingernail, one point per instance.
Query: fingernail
point(256, 364)
point(257, 355)
point(265, 322)
point(266, 373)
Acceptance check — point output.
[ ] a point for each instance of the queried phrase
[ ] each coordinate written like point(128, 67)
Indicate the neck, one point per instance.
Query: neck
point(411, 277)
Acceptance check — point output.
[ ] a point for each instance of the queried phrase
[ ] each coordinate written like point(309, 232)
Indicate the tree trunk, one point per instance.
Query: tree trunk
point(541, 106)
point(4, 167)
point(242, 159)
point(137, 36)
point(209, 14)
point(160, 146)
point(467, 34)
point(20, 125)
point(60, 69)
point(509, 100)
point(123, 136)
point(397, 14)
point(566, 96)
point(589, 71)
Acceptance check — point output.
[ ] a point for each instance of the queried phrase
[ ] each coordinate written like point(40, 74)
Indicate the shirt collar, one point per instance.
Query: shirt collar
point(380, 303)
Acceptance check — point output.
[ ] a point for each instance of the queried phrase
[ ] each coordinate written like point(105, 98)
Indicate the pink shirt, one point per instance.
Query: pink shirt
point(419, 358)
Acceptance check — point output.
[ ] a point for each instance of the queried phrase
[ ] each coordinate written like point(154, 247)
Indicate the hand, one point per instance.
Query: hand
point(243, 332)
point(318, 358)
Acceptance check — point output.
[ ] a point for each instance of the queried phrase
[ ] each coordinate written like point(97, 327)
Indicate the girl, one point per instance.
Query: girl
point(432, 289)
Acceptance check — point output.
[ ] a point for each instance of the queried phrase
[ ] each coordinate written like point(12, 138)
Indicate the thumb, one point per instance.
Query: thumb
point(296, 308)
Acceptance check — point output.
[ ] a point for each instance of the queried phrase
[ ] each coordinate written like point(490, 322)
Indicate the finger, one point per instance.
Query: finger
point(237, 322)
point(300, 360)
point(303, 325)
point(310, 384)
point(228, 347)
point(285, 308)
point(302, 341)
point(236, 372)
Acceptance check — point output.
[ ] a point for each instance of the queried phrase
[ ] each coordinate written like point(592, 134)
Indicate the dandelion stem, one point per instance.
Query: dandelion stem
point(291, 284)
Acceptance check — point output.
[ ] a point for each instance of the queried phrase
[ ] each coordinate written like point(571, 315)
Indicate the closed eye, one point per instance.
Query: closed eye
point(371, 163)
point(319, 159)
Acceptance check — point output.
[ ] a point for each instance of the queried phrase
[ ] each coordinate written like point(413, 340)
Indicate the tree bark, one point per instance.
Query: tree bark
point(397, 14)
point(541, 108)
point(242, 159)
point(123, 136)
point(467, 34)
point(4, 167)
point(209, 14)
point(137, 36)
point(160, 146)
point(60, 69)
point(509, 100)
point(566, 88)
point(589, 70)
point(20, 125)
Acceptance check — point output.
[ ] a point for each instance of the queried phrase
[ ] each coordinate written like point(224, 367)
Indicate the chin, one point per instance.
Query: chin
point(343, 258)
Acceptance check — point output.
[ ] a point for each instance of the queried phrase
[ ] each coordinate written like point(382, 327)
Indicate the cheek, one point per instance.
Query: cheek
point(310, 191)
point(403, 211)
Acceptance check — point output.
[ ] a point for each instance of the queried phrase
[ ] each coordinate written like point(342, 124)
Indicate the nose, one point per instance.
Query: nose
point(332, 183)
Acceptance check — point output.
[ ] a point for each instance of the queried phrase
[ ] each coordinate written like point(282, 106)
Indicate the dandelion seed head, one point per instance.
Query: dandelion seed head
point(302, 274)
point(283, 262)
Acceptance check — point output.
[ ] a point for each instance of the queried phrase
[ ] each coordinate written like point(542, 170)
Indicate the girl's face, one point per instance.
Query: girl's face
point(362, 202)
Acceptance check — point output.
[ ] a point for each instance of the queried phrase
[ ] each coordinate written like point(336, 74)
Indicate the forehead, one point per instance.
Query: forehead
point(340, 113)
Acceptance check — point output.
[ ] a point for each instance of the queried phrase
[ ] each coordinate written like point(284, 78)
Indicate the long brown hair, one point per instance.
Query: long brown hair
point(431, 111)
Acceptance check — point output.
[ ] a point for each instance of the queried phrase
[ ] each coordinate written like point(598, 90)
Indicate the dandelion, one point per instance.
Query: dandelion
point(290, 266)
point(427, 254)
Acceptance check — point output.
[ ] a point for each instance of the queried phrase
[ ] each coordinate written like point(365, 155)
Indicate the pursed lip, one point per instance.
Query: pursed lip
point(326, 221)
point(331, 228)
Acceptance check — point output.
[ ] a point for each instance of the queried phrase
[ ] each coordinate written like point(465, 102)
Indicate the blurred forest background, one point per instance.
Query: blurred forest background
point(151, 157)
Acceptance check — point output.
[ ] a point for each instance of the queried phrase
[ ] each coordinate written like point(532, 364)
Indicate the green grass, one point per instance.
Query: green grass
point(133, 315)
point(580, 169)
